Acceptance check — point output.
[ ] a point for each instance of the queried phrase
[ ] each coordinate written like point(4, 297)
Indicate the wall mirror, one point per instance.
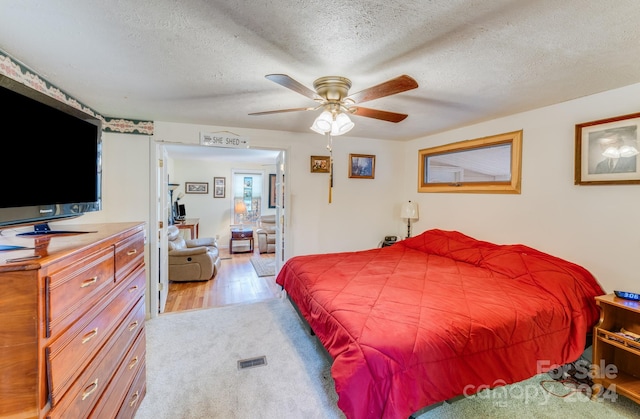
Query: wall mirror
point(484, 165)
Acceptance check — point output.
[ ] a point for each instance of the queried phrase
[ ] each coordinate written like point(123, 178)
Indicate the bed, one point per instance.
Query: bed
point(437, 316)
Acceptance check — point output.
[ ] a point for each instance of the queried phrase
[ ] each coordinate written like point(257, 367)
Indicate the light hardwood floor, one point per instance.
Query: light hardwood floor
point(236, 282)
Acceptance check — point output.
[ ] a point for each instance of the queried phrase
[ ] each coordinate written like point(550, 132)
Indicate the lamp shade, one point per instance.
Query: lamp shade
point(409, 210)
point(240, 207)
point(323, 123)
point(341, 125)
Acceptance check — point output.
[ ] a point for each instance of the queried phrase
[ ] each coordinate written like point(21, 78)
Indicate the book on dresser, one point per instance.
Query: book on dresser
point(72, 332)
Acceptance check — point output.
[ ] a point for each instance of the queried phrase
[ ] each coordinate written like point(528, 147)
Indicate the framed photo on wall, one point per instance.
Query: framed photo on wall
point(219, 185)
point(607, 151)
point(362, 166)
point(196, 187)
point(320, 164)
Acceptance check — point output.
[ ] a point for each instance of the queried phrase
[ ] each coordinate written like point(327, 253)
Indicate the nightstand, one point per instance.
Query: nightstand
point(238, 234)
point(616, 358)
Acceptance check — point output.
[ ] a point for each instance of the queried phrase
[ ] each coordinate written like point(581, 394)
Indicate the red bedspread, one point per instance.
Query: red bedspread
point(438, 315)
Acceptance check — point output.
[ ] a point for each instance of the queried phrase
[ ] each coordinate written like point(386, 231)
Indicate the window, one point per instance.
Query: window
point(247, 189)
point(484, 165)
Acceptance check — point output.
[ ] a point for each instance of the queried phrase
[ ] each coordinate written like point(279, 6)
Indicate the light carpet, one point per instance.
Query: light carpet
point(264, 266)
point(192, 365)
point(192, 373)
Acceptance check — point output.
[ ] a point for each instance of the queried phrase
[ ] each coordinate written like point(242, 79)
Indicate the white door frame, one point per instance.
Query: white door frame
point(158, 223)
point(158, 286)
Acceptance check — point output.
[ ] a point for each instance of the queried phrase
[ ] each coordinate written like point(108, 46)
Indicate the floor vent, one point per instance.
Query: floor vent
point(252, 362)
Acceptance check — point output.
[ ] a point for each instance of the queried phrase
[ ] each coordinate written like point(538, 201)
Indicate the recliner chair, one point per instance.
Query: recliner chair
point(267, 234)
point(192, 260)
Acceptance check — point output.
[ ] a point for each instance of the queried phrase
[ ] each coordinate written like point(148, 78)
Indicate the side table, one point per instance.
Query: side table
point(191, 224)
point(238, 234)
point(616, 350)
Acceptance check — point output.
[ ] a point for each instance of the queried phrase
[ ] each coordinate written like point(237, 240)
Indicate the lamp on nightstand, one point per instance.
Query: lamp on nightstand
point(409, 210)
point(240, 209)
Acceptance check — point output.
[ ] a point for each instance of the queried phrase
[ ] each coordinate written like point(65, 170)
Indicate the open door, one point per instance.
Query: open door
point(158, 287)
point(280, 211)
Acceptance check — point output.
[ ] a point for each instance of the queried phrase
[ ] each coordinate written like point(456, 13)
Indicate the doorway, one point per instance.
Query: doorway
point(238, 157)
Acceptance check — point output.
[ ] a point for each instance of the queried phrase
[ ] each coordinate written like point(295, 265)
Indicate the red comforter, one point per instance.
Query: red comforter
point(438, 315)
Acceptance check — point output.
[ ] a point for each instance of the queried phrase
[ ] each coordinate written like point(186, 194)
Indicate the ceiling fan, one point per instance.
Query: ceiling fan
point(332, 95)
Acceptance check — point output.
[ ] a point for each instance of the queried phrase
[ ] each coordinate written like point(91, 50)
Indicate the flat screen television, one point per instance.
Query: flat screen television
point(51, 154)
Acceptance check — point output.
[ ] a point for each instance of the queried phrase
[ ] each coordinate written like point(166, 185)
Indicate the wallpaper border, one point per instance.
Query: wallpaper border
point(22, 74)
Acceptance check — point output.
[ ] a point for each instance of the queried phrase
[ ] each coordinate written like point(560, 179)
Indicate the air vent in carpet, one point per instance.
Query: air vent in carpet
point(252, 362)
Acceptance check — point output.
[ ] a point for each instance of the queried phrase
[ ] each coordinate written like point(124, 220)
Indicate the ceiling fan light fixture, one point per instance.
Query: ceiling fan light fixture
point(342, 124)
point(323, 123)
point(316, 129)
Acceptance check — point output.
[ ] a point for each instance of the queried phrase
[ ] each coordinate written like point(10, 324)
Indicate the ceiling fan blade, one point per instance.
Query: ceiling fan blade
point(389, 87)
point(378, 114)
point(289, 83)
point(281, 111)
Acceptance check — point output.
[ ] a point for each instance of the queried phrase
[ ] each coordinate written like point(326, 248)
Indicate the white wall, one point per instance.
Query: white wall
point(125, 180)
point(593, 226)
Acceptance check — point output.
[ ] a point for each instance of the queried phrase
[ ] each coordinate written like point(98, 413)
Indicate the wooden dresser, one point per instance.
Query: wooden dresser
point(72, 338)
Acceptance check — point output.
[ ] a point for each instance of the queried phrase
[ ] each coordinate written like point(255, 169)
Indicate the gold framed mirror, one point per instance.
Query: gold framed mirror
point(484, 165)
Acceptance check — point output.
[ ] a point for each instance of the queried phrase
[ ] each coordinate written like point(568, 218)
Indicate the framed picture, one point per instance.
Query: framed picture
point(362, 166)
point(607, 151)
point(272, 190)
point(320, 164)
point(219, 185)
point(196, 187)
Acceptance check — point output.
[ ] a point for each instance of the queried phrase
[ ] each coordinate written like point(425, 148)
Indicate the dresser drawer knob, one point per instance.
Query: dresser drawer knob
point(132, 252)
point(90, 389)
point(132, 289)
point(90, 335)
point(89, 281)
point(134, 399)
point(133, 325)
point(133, 362)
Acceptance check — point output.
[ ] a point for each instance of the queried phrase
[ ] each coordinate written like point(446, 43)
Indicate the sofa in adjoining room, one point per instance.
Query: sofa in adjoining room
point(266, 234)
point(192, 260)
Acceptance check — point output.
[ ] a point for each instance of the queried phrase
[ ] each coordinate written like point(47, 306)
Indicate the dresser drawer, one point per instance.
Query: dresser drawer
point(84, 393)
point(71, 352)
point(135, 395)
point(241, 234)
point(119, 389)
point(129, 254)
point(72, 291)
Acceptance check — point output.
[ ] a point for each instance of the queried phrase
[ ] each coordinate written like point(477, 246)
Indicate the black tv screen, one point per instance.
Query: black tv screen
point(52, 158)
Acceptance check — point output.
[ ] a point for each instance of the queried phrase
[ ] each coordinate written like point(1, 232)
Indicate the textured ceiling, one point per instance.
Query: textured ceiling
point(204, 62)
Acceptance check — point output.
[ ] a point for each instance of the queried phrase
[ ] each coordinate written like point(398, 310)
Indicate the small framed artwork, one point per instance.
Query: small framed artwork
point(196, 187)
point(607, 151)
point(272, 190)
point(320, 164)
point(219, 185)
point(362, 166)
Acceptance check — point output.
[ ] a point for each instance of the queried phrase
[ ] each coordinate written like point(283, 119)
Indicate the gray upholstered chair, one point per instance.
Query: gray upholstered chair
point(192, 260)
point(266, 234)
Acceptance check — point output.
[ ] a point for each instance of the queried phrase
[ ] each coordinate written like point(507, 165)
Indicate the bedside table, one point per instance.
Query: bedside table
point(611, 349)
point(238, 234)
